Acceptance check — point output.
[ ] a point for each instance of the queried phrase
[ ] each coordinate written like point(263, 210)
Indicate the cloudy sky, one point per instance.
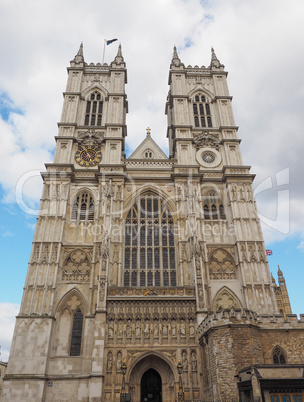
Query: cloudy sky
point(261, 44)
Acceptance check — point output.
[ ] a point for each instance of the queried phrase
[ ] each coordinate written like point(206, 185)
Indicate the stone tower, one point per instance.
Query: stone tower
point(281, 294)
point(131, 255)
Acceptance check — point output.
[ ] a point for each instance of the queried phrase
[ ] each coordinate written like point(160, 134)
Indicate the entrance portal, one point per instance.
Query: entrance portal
point(151, 386)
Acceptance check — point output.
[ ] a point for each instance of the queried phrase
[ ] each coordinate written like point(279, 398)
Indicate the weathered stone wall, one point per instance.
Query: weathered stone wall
point(233, 340)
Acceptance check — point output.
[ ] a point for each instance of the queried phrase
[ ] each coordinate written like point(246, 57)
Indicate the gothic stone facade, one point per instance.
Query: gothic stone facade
point(148, 260)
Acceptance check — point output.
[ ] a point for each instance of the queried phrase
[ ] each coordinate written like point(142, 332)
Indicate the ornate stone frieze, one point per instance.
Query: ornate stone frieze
point(206, 140)
point(90, 137)
point(151, 291)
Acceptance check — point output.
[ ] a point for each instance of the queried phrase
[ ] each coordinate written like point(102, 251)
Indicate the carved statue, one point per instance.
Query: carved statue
point(183, 328)
point(120, 329)
point(111, 329)
point(137, 329)
point(129, 329)
point(109, 362)
point(165, 328)
point(118, 362)
point(147, 329)
point(156, 330)
point(193, 361)
point(184, 360)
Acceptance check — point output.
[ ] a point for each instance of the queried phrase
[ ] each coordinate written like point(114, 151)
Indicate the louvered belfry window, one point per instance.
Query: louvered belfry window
point(201, 112)
point(213, 207)
point(149, 244)
point(93, 114)
point(83, 208)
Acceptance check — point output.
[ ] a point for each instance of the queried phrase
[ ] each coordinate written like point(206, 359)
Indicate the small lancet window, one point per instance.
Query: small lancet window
point(93, 115)
point(278, 355)
point(83, 208)
point(75, 348)
point(201, 112)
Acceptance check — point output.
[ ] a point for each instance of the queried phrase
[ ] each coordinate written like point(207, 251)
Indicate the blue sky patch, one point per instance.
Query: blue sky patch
point(7, 106)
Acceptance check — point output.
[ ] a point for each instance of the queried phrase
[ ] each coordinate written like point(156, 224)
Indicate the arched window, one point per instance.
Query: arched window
point(213, 207)
point(94, 107)
point(201, 111)
point(149, 244)
point(83, 208)
point(278, 355)
point(75, 348)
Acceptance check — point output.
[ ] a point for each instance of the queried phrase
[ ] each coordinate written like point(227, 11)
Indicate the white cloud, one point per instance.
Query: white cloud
point(260, 43)
point(8, 312)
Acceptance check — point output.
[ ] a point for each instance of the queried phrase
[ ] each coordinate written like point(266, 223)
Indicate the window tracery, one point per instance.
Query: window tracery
point(149, 244)
point(83, 208)
point(278, 355)
point(201, 111)
point(221, 265)
point(94, 106)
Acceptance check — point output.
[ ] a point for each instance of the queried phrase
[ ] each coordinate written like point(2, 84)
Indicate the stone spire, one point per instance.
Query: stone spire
point(175, 60)
point(79, 56)
point(215, 63)
point(119, 57)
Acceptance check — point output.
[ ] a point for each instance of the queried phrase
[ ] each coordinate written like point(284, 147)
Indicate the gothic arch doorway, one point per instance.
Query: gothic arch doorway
point(151, 387)
point(152, 369)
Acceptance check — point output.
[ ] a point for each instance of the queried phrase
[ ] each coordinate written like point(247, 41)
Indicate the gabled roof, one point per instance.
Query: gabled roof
point(148, 144)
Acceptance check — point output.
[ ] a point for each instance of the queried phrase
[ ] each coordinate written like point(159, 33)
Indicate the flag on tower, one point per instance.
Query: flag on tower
point(110, 41)
point(268, 252)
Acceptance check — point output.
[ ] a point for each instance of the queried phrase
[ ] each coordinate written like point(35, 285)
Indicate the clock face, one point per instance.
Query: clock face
point(88, 156)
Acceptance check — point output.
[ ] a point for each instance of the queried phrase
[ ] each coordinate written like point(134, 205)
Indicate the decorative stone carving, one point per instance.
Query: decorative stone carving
point(193, 361)
point(76, 267)
point(118, 362)
point(221, 265)
point(90, 137)
point(109, 362)
point(184, 360)
point(111, 330)
point(225, 299)
point(206, 140)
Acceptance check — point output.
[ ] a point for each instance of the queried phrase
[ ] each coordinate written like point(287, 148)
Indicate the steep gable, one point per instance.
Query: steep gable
point(148, 149)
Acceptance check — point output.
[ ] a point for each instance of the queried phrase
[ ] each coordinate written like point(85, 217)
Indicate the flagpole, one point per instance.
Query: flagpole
point(104, 48)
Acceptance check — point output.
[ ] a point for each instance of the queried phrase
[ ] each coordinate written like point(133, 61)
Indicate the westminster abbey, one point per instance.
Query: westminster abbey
point(148, 278)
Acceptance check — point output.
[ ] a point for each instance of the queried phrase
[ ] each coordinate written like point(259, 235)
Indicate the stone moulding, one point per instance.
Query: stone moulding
point(248, 317)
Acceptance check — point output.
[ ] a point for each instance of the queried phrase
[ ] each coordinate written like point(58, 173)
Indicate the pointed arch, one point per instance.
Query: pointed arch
point(279, 355)
point(213, 205)
point(94, 87)
point(149, 258)
point(83, 206)
point(221, 265)
point(203, 91)
point(201, 108)
point(225, 299)
point(154, 190)
point(77, 299)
